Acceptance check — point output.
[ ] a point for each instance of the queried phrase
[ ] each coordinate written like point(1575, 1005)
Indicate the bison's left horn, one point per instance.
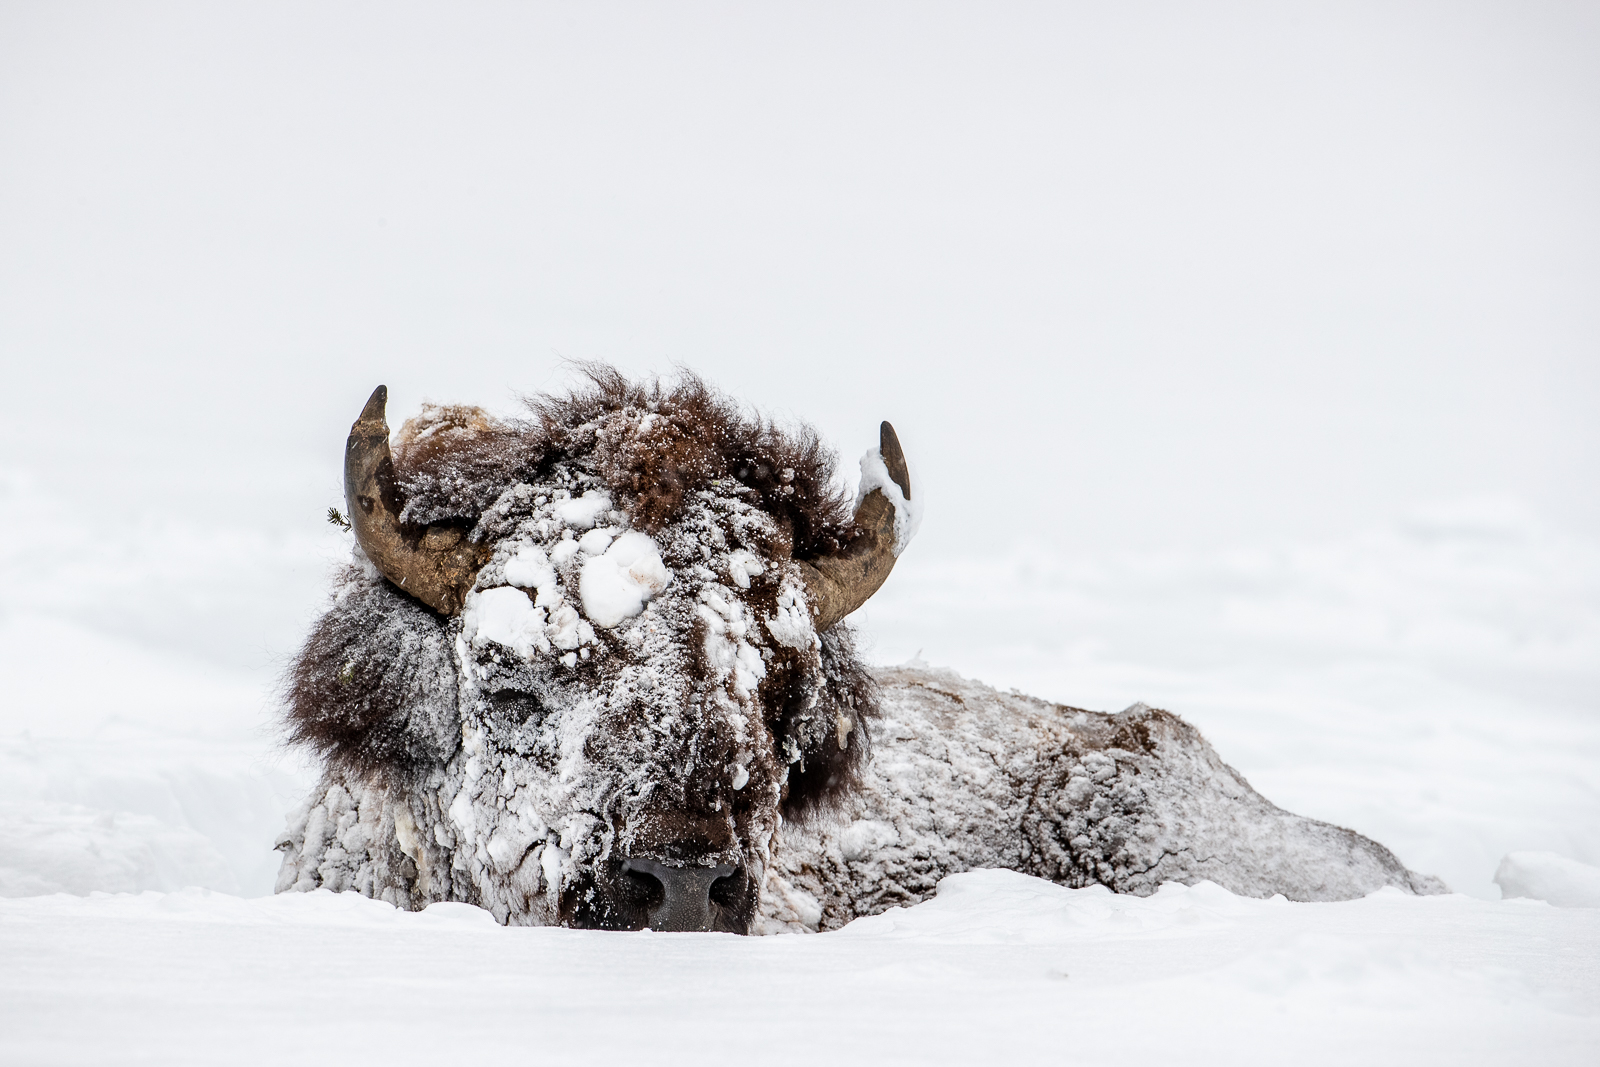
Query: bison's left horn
point(437, 565)
point(839, 584)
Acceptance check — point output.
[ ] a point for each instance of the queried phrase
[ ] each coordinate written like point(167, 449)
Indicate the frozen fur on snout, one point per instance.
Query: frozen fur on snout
point(513, 755)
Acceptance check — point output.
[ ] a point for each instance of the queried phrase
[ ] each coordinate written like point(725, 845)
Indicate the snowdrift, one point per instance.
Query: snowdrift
point(998, 968)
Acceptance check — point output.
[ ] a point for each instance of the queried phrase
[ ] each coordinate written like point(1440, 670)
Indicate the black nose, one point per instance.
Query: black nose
point(684, 900)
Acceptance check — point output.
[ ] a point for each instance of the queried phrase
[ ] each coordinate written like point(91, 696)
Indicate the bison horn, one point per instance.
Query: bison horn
point(839, 584)
point(435, 564)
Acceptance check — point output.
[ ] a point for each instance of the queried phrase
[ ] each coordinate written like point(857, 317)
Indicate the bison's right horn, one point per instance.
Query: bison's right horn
point(437, 565)
point(838, 585)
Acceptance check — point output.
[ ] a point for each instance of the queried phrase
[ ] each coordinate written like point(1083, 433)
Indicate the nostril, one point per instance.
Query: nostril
point(641, 886)
point(728, 889)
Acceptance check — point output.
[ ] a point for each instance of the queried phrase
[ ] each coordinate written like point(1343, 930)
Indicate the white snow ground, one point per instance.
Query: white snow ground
point(1431, 685)
point(1000, 968)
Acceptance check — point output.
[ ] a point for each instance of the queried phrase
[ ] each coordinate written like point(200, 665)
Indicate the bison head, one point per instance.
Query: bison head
point(592, 658)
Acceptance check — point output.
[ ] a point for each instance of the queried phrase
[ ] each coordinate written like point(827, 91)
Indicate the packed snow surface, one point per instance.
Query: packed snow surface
point(999, 968)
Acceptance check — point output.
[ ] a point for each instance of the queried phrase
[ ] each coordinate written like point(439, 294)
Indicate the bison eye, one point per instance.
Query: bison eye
point(516, 707)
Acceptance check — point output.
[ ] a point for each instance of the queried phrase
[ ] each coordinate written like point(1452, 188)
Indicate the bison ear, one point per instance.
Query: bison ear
point(839, 584)
point(437, 565)
point(374, 688)
point(832, 729)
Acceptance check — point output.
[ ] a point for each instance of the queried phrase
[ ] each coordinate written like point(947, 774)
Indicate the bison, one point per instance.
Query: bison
point(589, 668)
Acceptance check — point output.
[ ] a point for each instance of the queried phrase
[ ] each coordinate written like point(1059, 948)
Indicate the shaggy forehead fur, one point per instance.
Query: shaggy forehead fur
point(651, 445)
point(707, 702)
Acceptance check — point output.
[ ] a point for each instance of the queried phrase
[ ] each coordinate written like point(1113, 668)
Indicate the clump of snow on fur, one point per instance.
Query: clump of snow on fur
point(507, 617)
point(617, 584)
point(907, 513)
point(744, 565)
point(790, 625)
point(585, 511)
point(595, 541)
point(728, 625)
point(566, 628)
point(530, 569)
point(564, 549)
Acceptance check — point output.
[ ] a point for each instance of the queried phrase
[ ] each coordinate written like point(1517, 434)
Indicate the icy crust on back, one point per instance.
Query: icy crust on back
point(637, 643)
point(965, 777)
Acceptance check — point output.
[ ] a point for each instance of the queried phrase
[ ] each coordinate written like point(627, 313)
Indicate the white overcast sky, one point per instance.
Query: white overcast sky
point(1122, 274)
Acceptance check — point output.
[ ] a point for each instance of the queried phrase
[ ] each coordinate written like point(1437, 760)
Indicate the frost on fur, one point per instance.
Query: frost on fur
point(964, 777)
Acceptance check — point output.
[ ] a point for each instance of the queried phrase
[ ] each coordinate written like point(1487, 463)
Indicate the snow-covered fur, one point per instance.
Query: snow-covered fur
point(634, 677)
point(965, 777)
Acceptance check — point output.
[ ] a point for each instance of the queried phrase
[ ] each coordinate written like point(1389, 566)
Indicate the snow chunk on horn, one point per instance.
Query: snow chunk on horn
point(885, 522)
point(907, 513)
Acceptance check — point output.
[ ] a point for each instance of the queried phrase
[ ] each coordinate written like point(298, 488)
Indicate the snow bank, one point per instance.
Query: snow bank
point(68, 848)
point(1549, 877)
point(998, 968)
point(125, 768)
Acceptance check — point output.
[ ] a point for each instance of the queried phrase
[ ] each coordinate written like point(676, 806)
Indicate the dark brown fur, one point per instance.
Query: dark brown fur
point(827, 775)
point(698, 437)
point(372, 698)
